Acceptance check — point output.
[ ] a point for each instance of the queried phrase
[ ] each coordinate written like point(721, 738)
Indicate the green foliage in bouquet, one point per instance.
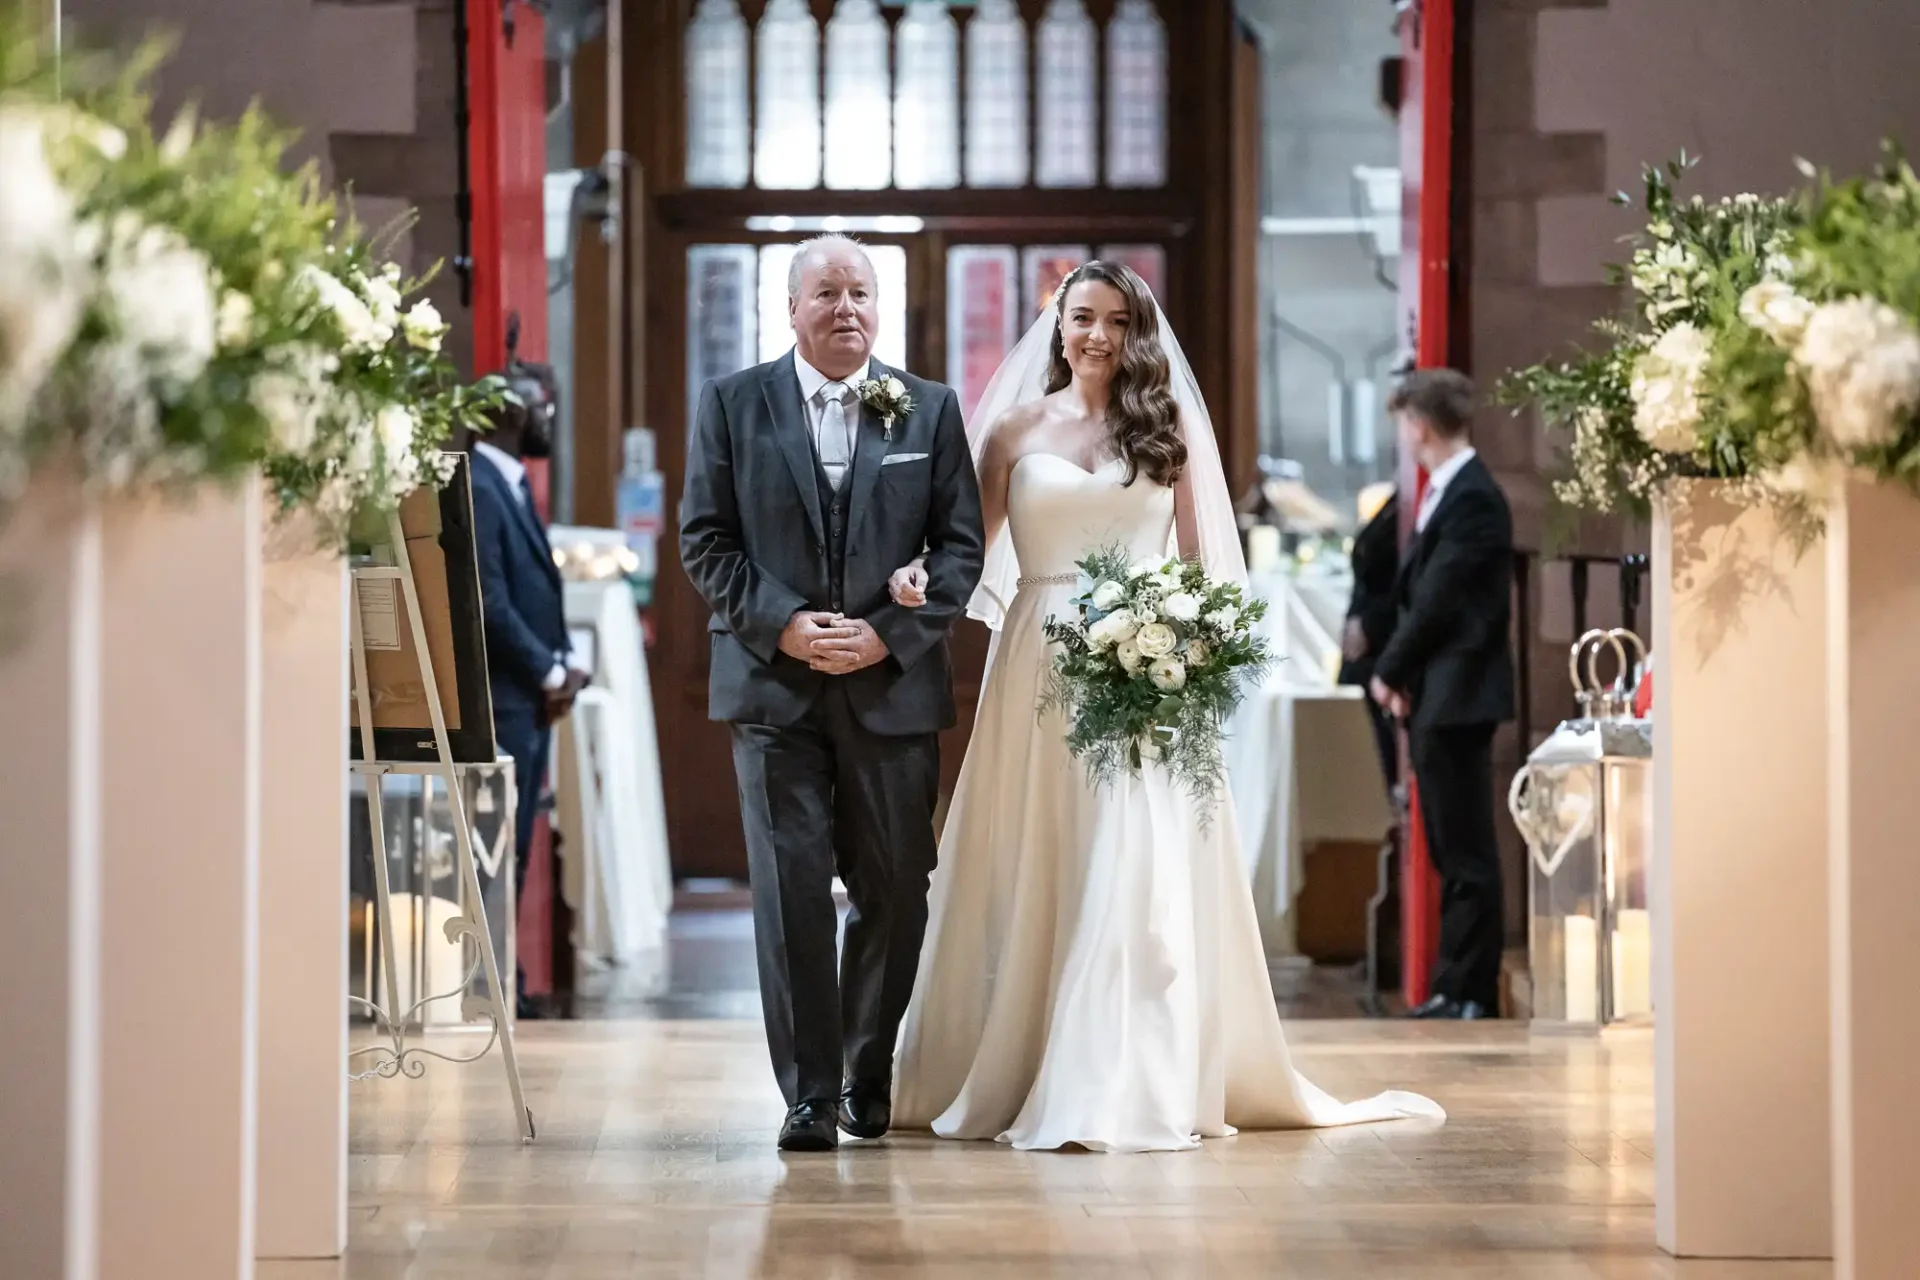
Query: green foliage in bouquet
point(1151, 666)
point(1647, 405)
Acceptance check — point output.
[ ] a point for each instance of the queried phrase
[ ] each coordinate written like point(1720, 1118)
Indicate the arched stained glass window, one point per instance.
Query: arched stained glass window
point(1136, 96)
point(716, 71)
point(859, 112)
point(786, 151)
point(997, 150)
point(926, 99)
point(1065, 142)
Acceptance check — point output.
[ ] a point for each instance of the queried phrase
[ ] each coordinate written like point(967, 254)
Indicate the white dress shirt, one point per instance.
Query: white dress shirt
point(812, 382)
point(1437, 481)
point(515, 473)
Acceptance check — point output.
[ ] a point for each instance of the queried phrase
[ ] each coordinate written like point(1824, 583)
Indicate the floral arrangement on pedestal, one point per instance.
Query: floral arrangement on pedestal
point(1650, 404)
point(1775, 344)
point(178, 307)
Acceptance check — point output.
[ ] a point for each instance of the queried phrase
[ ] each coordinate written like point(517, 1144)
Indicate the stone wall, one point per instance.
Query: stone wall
point(371, 84)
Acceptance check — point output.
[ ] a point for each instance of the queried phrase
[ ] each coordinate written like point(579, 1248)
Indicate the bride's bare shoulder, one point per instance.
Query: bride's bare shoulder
point(1008, 434)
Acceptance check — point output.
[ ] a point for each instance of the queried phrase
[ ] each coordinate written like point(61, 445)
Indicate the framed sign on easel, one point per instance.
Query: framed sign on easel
point(420, 707)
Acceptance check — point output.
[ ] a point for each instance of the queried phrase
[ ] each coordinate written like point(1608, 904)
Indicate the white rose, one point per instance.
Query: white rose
point(1776, 310)
point(1862, 360)
point(423, 326)
point(896, 389)
point(1169, 675)
point(1198, 652)
point(1181, 606)
point(235, 323)
point(1129, 655)
point(1112, 629)
point(1108, 594)
point(356, 320)
point(1226, 617)
point(1156, 640)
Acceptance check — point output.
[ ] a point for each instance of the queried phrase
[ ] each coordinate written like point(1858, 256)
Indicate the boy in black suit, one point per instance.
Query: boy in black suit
point(1448, 672)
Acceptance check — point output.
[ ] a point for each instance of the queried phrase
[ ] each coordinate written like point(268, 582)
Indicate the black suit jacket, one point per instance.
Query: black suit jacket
point(521, 595)
point(753, 541)
point(1376, 567)
point(1450, 651)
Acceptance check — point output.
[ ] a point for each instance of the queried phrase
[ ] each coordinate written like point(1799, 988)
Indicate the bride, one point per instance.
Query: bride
point(1093, 972)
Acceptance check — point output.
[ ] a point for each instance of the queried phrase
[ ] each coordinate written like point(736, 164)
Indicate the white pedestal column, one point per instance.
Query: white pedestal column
point(180, 685)
point(1874, 704)
point(49, 885)
point(1738, 888)
point(303, 902)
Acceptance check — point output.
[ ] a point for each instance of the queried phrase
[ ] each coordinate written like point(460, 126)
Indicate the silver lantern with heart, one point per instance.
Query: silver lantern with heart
point(1584, 804)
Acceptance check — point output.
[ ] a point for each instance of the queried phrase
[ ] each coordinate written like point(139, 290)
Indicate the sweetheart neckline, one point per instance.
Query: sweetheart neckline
point(1061, 457)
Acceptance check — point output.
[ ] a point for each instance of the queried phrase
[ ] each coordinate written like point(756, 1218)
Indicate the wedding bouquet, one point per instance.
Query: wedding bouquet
point(1151, 665)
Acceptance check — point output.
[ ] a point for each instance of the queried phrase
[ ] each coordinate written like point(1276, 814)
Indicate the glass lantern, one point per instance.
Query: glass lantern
point(1584, 804)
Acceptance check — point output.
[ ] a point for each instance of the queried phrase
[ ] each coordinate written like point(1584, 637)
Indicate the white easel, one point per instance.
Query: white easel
point(396, 1058)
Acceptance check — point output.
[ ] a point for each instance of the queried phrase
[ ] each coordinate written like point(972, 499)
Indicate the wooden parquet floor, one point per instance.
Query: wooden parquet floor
point(656, 1159)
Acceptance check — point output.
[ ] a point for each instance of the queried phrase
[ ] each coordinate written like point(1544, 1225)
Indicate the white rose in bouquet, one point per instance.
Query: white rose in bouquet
point(1665, 389)
point(423, 327)
point(1198, 652)
point(1862, 360)
point(1169, 675)
point(1112, 629)
point(895, 388)
point(1181, 606)
point(1776, 310)
point(43, 279)
point(1108, 594)
point(1156, 640)
point(1129, 656)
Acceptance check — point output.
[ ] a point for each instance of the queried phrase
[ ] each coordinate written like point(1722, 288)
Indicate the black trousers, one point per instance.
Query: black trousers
point(1454, 768)
point(523, 735)
point(818, 798)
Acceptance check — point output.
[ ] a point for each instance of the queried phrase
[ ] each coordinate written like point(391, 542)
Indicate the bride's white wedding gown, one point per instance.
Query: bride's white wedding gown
point(1093, 972)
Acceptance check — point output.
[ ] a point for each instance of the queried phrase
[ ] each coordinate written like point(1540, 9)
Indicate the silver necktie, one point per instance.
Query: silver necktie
point(836, 442)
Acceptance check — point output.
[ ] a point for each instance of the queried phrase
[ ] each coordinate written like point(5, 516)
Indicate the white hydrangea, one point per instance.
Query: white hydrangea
point(294, 397)
point(1666, 389)
point(394, 426)
point(1776, 310)
point(382, 294)
point(350, 311)
point(44, 280)
point(161, 291)
point(1862, 361)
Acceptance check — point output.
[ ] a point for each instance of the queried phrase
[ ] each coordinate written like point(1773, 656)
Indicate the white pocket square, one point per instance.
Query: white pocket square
point(892, 458)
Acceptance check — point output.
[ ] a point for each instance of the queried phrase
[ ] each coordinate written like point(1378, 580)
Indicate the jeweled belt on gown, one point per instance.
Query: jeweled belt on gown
point(1049, 580)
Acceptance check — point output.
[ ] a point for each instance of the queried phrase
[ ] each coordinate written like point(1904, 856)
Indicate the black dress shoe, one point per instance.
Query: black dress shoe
point(866, 1111)
point(1436, 1007)
point(809, 1127)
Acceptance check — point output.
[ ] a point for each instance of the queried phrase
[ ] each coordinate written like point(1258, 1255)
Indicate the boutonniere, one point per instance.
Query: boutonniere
point(887, 397)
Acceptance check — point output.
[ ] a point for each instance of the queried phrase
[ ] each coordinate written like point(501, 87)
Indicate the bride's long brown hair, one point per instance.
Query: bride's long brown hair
point(1142, 419)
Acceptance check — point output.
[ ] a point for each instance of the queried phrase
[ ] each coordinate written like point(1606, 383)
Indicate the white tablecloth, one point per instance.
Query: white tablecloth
point(617, 875)
point(1300, 754)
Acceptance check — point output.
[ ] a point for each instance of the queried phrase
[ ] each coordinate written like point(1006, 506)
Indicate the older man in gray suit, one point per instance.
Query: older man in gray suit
point(801, 500)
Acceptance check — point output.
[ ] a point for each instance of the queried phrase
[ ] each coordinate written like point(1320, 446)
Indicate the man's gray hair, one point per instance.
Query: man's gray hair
point(814, 244)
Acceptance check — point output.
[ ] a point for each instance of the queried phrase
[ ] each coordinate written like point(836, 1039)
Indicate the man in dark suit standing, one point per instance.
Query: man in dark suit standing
point(801, 500)
point(1448, 672)
point(528, 653)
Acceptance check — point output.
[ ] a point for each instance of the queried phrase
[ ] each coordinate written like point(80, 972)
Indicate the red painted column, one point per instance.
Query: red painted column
point(1426, 159)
